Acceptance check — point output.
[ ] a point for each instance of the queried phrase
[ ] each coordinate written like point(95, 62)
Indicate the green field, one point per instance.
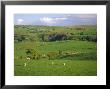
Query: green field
point(73, 54)
point(46, 68)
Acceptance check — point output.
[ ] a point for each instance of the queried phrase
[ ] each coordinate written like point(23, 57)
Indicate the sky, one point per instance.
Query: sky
point(55, 19)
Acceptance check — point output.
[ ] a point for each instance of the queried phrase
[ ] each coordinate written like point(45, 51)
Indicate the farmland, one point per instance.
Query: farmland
point(55, 50)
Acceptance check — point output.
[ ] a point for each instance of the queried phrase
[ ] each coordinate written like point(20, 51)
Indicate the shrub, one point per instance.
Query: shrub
point(88, 38)
point(57, 37)
point(81, 33)
point(52, 55)
point(31, 53)
point(19, 38)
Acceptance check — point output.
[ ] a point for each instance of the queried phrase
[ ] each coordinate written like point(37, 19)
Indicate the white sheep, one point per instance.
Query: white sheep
point(64, 64)
point(43, 55)
point(24, 64)
point(28, 58)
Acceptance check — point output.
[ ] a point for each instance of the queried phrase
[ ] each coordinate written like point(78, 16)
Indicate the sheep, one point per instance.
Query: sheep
point(64, 64)
point(24, 64)
point(43, 55)
point(28, 58)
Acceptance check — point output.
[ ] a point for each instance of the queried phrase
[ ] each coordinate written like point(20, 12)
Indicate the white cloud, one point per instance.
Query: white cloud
point(82, 16)
point(47, 20)
point(87, 16)
point(60, 18)
point(51, 21)
point(19, 21)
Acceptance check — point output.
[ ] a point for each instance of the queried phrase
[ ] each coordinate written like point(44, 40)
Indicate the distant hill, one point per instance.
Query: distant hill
point(81, 26)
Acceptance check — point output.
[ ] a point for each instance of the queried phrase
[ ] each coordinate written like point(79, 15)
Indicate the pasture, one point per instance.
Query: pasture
point(73, 54)
point(46, 68)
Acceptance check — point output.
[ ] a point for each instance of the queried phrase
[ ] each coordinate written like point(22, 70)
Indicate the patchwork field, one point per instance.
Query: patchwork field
point(55, 51)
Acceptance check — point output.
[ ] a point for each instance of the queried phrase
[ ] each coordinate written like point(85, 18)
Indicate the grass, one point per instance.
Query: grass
point(80, 46)
point(46, 68)
point(84, 63)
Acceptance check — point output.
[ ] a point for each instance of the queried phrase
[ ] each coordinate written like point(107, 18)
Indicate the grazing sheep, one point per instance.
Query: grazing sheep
point(28, 58)
point(24, 64)
point(64, 64)
point(43, 55)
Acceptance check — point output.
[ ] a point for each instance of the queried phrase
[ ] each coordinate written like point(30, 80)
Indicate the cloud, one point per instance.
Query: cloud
point(86, 16)
point(51, 21)
point(47, 20)
point(82, 16)
point(61, 18)
point(19, 21)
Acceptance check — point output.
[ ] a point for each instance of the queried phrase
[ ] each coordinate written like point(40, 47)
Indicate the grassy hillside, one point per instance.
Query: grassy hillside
point(56, 51)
